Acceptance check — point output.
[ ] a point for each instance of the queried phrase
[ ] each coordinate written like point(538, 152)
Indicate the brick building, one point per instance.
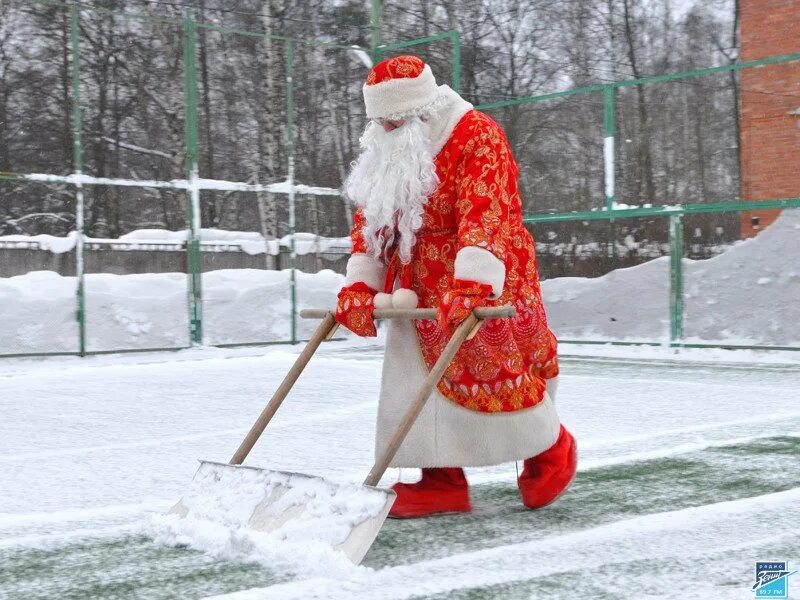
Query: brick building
point(770, 107)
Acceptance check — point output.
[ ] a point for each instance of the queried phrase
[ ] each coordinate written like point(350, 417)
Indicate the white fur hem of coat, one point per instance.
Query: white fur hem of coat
point(446, 434)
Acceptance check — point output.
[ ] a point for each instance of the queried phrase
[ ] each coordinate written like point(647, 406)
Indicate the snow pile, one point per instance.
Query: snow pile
point(38, 313)
point(289, 521)
point(747, 295)
point(624, 304)
point(751, 292)
point(151, 310)
point(241, 305)
point(206, 235)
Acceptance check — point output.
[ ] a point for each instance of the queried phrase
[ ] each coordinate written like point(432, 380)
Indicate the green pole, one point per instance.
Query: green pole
point(456, 49)
point(193, 259)
point(609, 161)
point(375, 27)
point(676, 278)
point(77, 167)
point(290, 179)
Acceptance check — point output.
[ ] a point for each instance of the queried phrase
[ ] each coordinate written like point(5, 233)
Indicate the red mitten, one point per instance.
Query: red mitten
point(354, 309)
point(460, 300)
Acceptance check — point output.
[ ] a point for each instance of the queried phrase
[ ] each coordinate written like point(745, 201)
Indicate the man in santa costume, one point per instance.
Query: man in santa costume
point(439, 224)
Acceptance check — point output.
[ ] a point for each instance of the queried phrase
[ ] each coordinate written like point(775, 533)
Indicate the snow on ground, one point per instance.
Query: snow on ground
point(688, 475)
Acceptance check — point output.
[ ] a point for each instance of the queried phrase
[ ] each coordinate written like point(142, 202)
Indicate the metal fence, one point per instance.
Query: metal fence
point(613, 212)
point(188, 192)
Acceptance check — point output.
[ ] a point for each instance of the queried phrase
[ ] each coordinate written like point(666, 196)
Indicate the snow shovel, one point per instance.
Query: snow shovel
point(303, 508)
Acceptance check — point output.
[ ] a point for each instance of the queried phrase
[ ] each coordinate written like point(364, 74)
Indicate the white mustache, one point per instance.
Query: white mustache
point(391, 181)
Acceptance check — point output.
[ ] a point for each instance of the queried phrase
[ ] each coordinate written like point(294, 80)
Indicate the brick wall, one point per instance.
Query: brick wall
point(770, 107)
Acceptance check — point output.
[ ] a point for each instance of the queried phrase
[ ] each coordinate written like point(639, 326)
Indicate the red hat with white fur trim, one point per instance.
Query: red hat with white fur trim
point(400, 87)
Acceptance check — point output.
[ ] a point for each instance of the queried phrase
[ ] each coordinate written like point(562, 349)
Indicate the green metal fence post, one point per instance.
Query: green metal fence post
point(676, 279)
point(456, 50)
point(193, 258)
point(290, 180)
point(375, 27)
point(77, 167)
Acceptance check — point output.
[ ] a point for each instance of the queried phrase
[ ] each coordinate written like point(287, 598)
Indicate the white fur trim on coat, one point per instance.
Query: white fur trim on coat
point(383, 300)
point(446, 434)
point(400, 96)
point(445, 117)
point(404, 298)
point(365, 268)
point(478, 264)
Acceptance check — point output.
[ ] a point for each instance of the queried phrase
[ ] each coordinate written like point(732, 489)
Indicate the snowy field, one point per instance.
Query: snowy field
point(689, 473)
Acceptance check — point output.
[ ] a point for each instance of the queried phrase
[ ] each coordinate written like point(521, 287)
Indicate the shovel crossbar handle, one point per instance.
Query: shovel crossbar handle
point(487, 312)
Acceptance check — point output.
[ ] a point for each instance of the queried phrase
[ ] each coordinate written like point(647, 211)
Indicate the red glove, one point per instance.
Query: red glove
point(460, 300)
point(354, 309)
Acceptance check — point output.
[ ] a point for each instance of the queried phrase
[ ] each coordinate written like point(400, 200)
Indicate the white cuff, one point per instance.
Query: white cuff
point(365, 268)
point(477, 264)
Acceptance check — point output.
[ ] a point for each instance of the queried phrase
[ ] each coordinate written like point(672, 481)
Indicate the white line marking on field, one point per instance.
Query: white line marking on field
point(49, 540)
point(79, 514)
point(600, 463)
point(777, 417)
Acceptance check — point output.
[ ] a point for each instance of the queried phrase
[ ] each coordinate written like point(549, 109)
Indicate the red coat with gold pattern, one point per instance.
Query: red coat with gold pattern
point(506, 365)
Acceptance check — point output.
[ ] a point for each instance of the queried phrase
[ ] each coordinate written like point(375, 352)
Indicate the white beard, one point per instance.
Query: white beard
point(391, 181)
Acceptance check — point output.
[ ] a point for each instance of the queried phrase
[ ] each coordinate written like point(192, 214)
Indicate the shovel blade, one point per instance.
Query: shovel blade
point(291, 506)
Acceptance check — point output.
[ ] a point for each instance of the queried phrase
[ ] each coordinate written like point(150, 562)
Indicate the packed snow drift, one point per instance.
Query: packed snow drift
point(280, 519)
point(747, 295)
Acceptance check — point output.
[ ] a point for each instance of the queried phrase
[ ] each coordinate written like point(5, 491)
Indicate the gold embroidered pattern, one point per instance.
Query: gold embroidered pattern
point(506, 365)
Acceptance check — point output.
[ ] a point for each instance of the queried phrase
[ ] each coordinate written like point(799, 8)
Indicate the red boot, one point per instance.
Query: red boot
point(547, 475)
point(439, 491)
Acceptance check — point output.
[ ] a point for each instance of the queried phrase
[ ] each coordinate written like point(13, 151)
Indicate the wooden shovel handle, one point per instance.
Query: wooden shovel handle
point(324, 329)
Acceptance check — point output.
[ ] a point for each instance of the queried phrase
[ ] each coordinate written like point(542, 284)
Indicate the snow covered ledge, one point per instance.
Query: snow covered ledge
point(476, 264)
point(367, 269)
